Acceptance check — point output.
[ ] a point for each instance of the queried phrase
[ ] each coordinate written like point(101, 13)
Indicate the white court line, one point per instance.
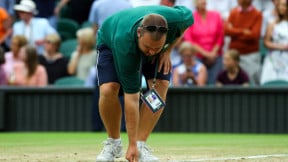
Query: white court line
point(239, 158)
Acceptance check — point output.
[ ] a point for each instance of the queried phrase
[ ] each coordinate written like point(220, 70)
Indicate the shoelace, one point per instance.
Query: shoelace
point(107, 146)
point(147, 150)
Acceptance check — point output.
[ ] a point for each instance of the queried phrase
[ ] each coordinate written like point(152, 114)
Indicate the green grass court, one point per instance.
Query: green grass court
point(83, 147)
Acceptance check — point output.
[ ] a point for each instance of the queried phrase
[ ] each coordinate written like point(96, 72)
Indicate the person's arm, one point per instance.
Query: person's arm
point(254, 32)
point(175, 78)
point(73, 63)
point(202, 76)
point(229, 28)
point(59, 6)
point(132, 119)
point(268, 42)
point(42, 79)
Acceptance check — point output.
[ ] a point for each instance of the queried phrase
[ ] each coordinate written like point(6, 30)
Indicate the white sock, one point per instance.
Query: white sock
point(115, 141)
point(140, 143)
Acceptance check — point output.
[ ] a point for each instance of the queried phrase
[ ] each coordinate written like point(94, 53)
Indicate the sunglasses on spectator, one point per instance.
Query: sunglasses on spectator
point(159, 29)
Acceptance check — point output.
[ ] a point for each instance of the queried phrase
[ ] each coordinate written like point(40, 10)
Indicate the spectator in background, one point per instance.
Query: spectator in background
point(222, 6)
point(207, 37)
point(29, 72)
point(85, 56)
point(101, 9)
point(13, 57)
point(3, 78)
point(34, 29)
point(233, 73)
point(275, 65)
point(190, 72)
point(137, 3)
point(5, 28)
point(269, 16)
point(79, 9)
point(8, 6)
point(46, 10)
point(244, 27)
point(53, 61)
point(263, 5)
point(169, 3)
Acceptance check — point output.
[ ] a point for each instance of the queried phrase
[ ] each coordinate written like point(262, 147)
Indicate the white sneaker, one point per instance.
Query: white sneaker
point(110, 151)
point(145, 154)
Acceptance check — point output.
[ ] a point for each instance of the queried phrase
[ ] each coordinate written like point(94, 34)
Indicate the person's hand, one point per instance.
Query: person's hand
point(283, 47)
point(39, 42)
point(132, 153)
point(247, 31)
point(165, 63)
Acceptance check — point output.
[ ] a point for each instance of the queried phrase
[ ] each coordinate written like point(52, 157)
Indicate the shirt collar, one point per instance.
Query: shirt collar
point(250, 8)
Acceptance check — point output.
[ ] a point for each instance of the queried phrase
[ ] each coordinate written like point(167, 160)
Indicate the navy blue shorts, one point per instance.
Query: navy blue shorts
point(106, 70)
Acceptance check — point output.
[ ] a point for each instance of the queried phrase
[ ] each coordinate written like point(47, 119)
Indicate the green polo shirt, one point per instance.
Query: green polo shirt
point(119, 33)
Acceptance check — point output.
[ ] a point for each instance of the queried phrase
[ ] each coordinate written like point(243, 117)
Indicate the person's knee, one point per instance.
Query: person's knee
point(109, 90)
point(163, 83)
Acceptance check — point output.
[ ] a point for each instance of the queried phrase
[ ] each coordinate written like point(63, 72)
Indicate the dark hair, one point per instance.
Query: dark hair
point(31, 61)
point(154, 20)
point(2, 56)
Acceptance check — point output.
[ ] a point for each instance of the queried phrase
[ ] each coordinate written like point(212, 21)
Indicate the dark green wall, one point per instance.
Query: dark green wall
point(209, 109)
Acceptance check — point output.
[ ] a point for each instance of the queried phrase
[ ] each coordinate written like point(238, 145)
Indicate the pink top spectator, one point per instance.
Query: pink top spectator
point(39, 79)
point(206, 33)
point(3, 79)
point(10, 61)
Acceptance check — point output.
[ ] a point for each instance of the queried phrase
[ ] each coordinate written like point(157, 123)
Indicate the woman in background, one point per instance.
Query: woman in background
point(29, 72)
point(275, 66)
point(207, 37)
point(53, 61)
point(13, 57)
point(233, 74)
point(190, 72)
point(85, 56)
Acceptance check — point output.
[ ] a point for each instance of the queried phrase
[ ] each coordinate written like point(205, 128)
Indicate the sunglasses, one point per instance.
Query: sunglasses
point(159, 29)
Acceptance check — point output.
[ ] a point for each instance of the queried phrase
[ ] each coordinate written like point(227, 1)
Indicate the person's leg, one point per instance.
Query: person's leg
point(110, 108)
point(96, 119)
point(148, 119)
point(109, 105)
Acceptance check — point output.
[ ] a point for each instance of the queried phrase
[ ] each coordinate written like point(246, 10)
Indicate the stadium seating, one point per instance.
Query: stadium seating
point(67, 47)
point(69, 81)
point(67, 28)
point(276, 83)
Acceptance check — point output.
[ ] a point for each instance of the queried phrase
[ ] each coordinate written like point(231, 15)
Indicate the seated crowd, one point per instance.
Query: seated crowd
point(232, 42)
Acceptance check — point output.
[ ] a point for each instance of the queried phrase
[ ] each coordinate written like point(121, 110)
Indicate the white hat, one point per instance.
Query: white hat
point(26, 6)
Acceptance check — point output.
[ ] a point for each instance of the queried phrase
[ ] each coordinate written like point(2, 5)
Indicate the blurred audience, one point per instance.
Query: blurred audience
point(222, 6)
point(233, 74)
point(263, 5)
point(275, 65)
point(79, 9)
point(85, 56)
point(269, 16)
point(34, 29)
point(244, 27)
point(5, 28)
point(207, 36)
point(101, 9)
point(53, 61)
point(3, 78)
point(29, 72)
point(12, 57)
point(190, 72)
point(169, 3)
point(137, 3)
point(46, 10)
point(8, 6)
